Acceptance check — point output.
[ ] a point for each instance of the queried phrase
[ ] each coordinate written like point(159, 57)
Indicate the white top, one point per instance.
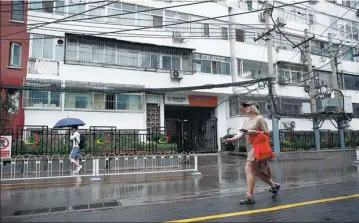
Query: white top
point(75, 143)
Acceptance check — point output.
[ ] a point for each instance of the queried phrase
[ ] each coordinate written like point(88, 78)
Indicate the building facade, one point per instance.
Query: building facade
point(14, 55)
point(156, 45)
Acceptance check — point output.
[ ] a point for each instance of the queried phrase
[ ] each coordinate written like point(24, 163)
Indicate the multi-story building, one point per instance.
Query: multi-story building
point(14, 56)
point(151, 46)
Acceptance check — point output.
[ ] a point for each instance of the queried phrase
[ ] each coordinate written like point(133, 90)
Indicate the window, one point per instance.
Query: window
point(15, 55)
point(239, 35)
point(74, 8)
point(293, 74)
point(351, 82)
point(249, 5)
point(42, 99)
point(96, 13)
point(42, 47)
point(60, 7)
point(255, 68)
point(17, 10)
point(78, 101)
point(129, 102)
point(348, 29)
point(224, 33)
point(206, 29)
point(171, 63)
point(101, 52)
point(42, 5)
point(311, 19)
point(211, 64)
point(157, 21)
point(100, 101)
point(172, 17)
point(356, 110)
point(234, 103)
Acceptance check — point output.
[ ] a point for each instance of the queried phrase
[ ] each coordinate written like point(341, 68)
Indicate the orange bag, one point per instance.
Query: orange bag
point(261, 146)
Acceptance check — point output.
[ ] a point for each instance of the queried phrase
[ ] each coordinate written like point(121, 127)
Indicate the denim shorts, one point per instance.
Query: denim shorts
point(75, 153)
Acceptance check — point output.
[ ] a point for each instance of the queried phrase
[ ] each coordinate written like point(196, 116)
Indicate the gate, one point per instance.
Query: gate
point(197, 135)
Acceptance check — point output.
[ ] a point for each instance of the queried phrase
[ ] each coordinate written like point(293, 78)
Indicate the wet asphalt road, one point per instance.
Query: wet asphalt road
point(219, 187)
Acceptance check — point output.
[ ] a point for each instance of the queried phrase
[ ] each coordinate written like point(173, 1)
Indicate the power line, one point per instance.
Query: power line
point(58, 20)
point(71, 16)
point(322, 32)
point(54, 7)
point(318, 68)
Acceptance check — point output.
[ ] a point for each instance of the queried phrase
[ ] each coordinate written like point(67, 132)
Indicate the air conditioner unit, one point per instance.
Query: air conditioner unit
point(328, 105)
point(60, 41)
point(176, 74)
point(281, 22)
point(261, 16)
point(177, 37)
point(305, 109)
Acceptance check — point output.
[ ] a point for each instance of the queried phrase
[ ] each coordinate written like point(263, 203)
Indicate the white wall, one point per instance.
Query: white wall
point(118, 119)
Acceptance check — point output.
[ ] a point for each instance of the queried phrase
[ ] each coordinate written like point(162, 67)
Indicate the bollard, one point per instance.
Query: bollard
point(95, 170)
point(357, 160)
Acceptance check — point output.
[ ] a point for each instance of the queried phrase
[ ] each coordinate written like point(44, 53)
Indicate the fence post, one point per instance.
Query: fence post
point(357, 159)
point(196, 172)
point(95, 169)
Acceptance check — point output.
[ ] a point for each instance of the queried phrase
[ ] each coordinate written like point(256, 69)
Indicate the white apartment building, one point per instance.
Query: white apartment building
point(119, 52)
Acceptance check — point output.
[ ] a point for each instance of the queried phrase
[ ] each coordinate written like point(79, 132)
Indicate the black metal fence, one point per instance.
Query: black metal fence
point(41, 140)
point(291, 140)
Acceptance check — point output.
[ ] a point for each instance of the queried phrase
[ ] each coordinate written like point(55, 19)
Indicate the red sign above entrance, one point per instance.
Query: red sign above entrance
point(202, 101)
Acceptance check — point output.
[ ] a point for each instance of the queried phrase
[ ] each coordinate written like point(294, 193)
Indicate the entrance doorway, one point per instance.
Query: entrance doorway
point(192, 128)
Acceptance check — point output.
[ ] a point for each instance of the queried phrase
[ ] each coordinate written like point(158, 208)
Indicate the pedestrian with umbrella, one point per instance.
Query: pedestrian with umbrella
point(75, 137)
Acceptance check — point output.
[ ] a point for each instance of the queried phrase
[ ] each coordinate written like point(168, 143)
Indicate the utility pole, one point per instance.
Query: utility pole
point(312, 92)
point(232, 45)
point(334, 85)
point(271, 71)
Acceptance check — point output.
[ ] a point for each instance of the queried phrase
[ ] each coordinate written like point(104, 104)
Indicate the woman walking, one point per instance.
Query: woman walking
point(252, 126)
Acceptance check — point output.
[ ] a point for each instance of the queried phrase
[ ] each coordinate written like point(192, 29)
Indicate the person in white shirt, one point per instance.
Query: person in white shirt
point(75, 152)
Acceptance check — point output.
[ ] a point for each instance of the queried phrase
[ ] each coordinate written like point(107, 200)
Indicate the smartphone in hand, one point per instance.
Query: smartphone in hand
point(243, 130)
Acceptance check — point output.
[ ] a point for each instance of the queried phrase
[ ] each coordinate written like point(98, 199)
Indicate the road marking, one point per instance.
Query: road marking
point(280, 207)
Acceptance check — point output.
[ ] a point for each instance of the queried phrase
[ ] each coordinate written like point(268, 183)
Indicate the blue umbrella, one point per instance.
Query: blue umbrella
point(68, 122)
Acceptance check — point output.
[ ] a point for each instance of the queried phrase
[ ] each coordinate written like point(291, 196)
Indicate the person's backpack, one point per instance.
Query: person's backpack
point(82, 141)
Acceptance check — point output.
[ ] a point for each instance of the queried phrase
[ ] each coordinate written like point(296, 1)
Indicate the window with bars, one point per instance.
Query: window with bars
point(101, 51)
point(291, 106)
point(100, 101)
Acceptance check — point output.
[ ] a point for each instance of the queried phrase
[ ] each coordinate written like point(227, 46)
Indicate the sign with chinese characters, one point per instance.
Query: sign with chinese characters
point(192, 100)
point(176, 100)
point(202, 101)
point(5, 146)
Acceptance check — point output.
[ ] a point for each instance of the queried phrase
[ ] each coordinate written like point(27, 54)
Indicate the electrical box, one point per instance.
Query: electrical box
point(328, 105)
point(305, 109)
point(348, 105)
